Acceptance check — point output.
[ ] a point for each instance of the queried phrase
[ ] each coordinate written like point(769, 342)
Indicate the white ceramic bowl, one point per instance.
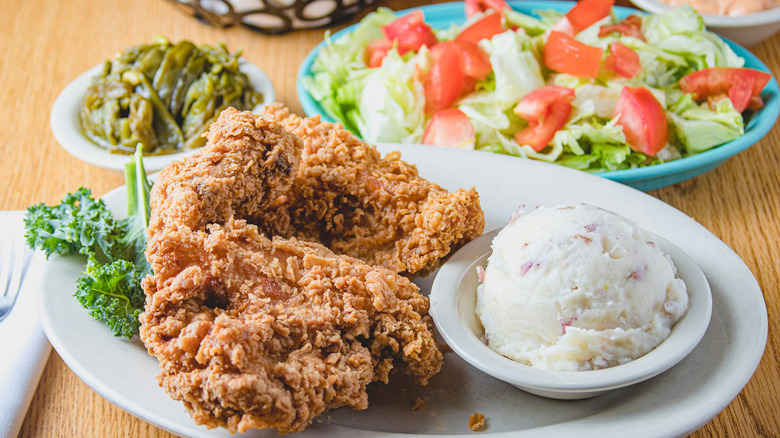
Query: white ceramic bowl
point(67, 130)
point(453, 299)
point(745, 30)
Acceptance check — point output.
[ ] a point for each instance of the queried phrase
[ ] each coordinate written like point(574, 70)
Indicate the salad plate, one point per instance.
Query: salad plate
point(66, 126)
point(651, 177)
point(673, 403)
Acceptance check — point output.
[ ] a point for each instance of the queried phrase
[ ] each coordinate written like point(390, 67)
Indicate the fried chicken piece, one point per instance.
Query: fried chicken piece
point(253, 332)
point(248, 163)
point(349, 198)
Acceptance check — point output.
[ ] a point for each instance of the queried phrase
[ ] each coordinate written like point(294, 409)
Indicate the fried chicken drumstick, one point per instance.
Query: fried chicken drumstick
point(349, 198)
point(259, 332)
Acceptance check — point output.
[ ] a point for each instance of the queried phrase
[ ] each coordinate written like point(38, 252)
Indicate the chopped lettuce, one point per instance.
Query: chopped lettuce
point(337, 63)
point(516, 70)
point(531, 25)
point(699, 128)
point(681, 32)
point(390, 107)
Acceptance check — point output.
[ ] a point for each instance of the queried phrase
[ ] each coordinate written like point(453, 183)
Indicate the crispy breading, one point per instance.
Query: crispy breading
point(349, 198)
point(259, 332)
point(476, 421)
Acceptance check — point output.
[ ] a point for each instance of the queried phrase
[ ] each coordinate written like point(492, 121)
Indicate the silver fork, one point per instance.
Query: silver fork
point(14, 258)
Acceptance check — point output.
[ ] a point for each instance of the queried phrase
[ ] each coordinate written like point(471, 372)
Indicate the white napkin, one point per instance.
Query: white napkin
point(24, 348)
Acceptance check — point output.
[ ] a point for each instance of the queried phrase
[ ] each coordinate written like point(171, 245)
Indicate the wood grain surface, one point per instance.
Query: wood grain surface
point(46, 44)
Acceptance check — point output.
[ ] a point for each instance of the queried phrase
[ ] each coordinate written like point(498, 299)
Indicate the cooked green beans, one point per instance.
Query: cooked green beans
point(163, 96)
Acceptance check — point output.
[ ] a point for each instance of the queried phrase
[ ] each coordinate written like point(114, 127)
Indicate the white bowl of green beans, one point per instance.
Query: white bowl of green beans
point(107, 111)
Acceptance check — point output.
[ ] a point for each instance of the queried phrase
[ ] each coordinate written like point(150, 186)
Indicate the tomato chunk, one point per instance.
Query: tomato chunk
point(473, 6)
point(444, 82)
point(587, 12)
point(411, 32)
point(450, 128)
point(474, 62)
point(469, 84)
point(622, 60)
point(630, 26)
point(546, 109)
point(376, 51)
point(643, 120)
point(536, 104)
point(564, 54)
point(742, 85)
point(484, 28)
point(408, 33)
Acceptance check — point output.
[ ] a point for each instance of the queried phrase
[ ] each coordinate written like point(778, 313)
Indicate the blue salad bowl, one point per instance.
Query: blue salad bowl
point(757, 125)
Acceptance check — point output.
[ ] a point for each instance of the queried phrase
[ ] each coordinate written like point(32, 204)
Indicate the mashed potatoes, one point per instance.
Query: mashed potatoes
point(577, 288)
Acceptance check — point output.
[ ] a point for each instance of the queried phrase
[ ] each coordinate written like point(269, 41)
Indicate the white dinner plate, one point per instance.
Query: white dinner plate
point(673, 403)
point(66, 125)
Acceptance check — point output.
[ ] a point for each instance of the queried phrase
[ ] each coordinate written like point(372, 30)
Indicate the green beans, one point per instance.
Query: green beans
point(163, 96)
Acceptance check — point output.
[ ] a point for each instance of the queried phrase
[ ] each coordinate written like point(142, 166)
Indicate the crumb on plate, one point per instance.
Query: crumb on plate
point(476, 421)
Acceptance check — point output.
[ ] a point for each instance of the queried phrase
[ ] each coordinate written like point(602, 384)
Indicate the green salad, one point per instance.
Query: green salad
point(598, 96)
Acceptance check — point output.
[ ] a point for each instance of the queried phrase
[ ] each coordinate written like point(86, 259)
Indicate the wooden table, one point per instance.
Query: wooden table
point(47, 44)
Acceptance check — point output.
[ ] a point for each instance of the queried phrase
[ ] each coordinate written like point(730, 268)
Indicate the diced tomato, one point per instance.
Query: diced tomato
point(536, 104)
point(450, 128)
point(474, 62)
point(622, 60)
point(546, 109)
point(474, 6)
point(564, 54)
point(408, 33)
point(444, 81)
point(376, 51)
point(587, 12)
point(484, 28)
point(643, 120)
point(741, 85)
point(539, 136)
point(469, 84)
point(630, 26)
point(411, 32)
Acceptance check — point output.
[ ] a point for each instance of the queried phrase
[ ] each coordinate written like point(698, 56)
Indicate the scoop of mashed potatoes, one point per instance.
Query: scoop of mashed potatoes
point(576, 287)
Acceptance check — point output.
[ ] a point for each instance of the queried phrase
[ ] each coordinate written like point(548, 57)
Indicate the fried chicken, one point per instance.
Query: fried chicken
point(349, 198)
point(259, 332)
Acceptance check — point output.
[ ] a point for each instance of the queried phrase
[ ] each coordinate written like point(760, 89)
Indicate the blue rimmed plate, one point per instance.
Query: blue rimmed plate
point(644, 178)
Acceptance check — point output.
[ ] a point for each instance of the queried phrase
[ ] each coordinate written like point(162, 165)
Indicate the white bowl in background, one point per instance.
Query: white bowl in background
point(453, 300)
point(66, 126)
point(745, 30)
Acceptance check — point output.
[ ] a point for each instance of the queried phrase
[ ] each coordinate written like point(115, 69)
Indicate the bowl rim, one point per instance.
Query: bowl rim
point(685, 336)
point(643, 178)
point(767, 16)
point(66, 126)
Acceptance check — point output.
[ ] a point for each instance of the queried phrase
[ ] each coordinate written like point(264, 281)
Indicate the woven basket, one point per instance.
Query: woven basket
point(272, 16)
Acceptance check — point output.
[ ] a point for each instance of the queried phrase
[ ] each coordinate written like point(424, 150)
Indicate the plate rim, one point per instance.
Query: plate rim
point(643, 178)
